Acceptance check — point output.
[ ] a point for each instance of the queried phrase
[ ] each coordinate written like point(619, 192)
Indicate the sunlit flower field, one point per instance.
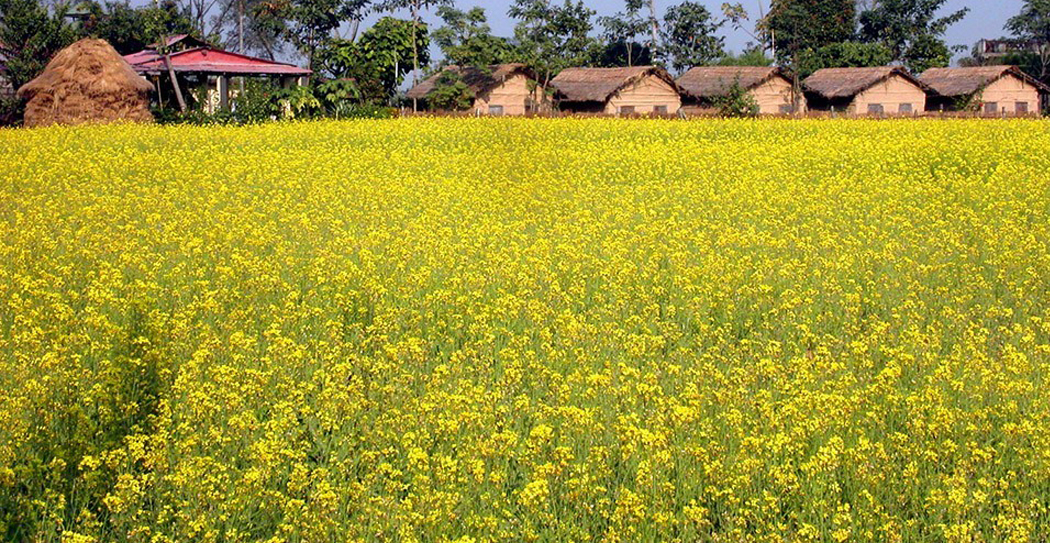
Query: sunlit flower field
point(471, 330)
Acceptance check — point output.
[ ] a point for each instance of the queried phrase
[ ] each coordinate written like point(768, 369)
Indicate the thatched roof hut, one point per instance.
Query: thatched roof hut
point(878, 90)
point(87, 82)
point(636, 90)
point(499, 89)
point(772, 88)
point(994, 89)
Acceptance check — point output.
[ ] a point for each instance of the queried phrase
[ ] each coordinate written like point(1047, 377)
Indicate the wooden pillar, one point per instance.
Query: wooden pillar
point(224, 93)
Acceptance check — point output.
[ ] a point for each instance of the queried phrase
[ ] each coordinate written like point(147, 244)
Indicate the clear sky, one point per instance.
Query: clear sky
point(985, 20)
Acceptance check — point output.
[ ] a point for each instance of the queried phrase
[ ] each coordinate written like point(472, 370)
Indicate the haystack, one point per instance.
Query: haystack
point(87, 82)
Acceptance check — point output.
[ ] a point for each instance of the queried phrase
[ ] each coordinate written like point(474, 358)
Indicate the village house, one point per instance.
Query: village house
point(205, 72)
point(992, 90)
point(641, 90)
point(886, 90)
point(501, 89)
point(771, 88)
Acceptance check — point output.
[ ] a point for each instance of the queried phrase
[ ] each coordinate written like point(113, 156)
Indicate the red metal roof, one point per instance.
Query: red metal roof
point(211, 61)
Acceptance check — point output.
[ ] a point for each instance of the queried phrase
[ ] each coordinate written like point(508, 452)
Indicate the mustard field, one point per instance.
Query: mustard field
point(486, 330)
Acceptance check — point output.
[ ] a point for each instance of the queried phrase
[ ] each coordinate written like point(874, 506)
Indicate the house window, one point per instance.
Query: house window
point(660, 110)
point(496, 110)
point(991, 108)
point(1021, 107)
point(626, 110)
point(904, 108)
point(875, 109)
point(529, 107)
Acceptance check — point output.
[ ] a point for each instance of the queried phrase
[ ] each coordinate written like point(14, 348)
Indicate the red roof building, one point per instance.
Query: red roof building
point(210, 69)
point(205, 60)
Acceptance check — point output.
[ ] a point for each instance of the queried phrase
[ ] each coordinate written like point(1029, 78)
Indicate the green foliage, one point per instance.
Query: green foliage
point(798, 25)
point(848, 54)
point(30, 35)
point(620, 35)
point(129, 29)
point(378, 61)
point(451, 93)
point(737, 102)
point(754, 56)
point(308, 24)
point(1033, 24)
point(337, 91)
point(689, 36)
point(912, 30)
point(466, 38)
point(553, 37)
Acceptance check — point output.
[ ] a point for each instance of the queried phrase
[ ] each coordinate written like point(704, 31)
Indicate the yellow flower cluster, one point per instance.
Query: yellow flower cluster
point(498, 330)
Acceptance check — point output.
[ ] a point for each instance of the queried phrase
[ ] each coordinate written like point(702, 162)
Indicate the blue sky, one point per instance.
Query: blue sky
point(985, 20)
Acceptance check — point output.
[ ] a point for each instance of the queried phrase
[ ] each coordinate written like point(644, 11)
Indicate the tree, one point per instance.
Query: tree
point(1033, 24)
point(451, 93)
point(752, 56)
point(415, 7)
point(246, 26)
point(620, 32)
point(798, 25)
point(308, 24)
point(378, 61)
point(912, 31)
point(847, 54)
point(550, 38)
point(689, 36)
point(30, 35)
point(466, 38)
point(130, 29)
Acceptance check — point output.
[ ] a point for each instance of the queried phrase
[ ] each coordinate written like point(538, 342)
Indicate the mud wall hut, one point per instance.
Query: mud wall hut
point(771, 88)
point(886, 90)
point(500, 89)
point(87, 82)
point(992, 90)
point(641, 90)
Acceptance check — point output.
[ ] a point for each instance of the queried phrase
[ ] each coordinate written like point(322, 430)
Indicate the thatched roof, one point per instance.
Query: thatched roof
point(715, 81)
point(599, 84)
point(86, 82)
point(954, 82)
point(831, 83)
point(480, 80)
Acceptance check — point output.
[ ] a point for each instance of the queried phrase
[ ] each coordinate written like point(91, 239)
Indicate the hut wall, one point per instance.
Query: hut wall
point(645, 96)
point(891, 93)
point(512, 95)
point(1008, 91)
point(773, 95)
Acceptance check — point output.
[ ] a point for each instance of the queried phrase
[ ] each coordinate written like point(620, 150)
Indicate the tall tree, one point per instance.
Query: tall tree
point(620, 32)
point(378, 61)
point(689, 36)
point(308, 24)
point(550, 37)
point(1033, 24)
point(30, 34)
point(799, 25)
point(466, 38)
point(129, 29)
point(415, 7)
point(911, 29)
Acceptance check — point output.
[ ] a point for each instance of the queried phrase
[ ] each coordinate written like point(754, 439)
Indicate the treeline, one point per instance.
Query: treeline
point(369, 66)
